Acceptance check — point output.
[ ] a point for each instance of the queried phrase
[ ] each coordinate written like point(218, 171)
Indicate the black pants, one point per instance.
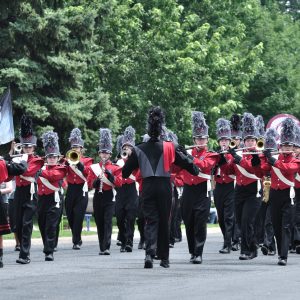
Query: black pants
point(224, 202)
point(76, 203)
point(104, 208)
point(140, 218)
point(259, 228)
point(195, 213)
point(24, 209)
point(174, 211)
point(281, 212)
point(48, 219)
point(157, 198)
point(11, 214)
point(269, 239)
point(246, 207)
point(4, 225)
point(296, 229)
point(178, 220)
point(126, 210)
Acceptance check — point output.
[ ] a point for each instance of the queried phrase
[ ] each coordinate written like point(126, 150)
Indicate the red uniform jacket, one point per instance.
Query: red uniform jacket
point(231, 168)
point(287, 164)
point(72, 177)
point(205, 161)
point(223, 177)
point(35, 163)
point(3, 171)
point(114, 169)
point(121, 163)
point(55, 175)
point(297, 179)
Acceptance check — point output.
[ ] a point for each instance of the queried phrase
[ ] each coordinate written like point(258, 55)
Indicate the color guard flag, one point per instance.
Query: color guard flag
point(7, 133)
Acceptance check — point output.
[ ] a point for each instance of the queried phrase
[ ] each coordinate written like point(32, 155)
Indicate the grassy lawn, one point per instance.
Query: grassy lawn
point(66, 232)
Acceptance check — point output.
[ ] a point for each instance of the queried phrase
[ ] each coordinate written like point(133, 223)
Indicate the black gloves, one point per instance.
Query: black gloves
point(96, 183)
point(255, 161)
point(80, 166)
point(237, 158)
point(110, 176)
point(270, 158)
point(181, 149)
point(222, 160)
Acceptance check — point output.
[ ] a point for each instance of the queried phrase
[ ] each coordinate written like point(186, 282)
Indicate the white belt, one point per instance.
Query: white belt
point(251, 176)
point(32, 181)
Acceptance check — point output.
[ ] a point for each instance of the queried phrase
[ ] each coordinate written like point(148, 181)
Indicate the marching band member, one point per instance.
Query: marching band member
point(236, 136)
point(296, 229)
point(195, 197)
point(282, 194)
point(154, 159)
point(268, 247)
point(77, 192)
point(224, 190)
point(247, 195)
point(104, 177)
point(50, 179)
point(25, 202)
point(8, 169)
point(126, 197)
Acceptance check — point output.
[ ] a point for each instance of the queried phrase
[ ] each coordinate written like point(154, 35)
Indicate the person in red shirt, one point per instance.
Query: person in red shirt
point(49, 181)
point(76, 200)
point(283, 171)
point(126, 197)
point(8, 169)
point(296, 227)
point(224, 188)
point(25, 202)
point(247, 194)
point(195, 197)
point(104, 177)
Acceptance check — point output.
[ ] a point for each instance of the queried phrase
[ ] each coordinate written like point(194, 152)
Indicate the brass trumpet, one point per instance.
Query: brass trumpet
point(73, 157)
point(18, 148)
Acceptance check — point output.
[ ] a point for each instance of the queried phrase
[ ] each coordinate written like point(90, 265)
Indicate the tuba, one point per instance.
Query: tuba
point(73, 157)
point(266, 189)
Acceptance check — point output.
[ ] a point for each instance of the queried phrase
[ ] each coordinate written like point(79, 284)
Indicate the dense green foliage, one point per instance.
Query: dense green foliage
point(103, 63)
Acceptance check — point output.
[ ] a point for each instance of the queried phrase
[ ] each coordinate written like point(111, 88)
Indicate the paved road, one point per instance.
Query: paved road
point(86, 275)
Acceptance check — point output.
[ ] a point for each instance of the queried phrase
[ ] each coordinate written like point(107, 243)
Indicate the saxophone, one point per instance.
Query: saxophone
point(101, 176)
point(266, 189)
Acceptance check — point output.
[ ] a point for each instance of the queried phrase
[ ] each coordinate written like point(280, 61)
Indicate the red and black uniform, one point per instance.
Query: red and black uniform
point(224, 202)
point(154, 159)
point(296, 229)
point(196, 200)
point(280, 198)
point(25, 204)
point(103, 201)
point(49, 203)
point(247, 198)
point(77, 196)
point(126, 209)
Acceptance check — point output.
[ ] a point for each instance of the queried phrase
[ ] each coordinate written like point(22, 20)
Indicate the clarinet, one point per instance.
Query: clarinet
point(103, 174)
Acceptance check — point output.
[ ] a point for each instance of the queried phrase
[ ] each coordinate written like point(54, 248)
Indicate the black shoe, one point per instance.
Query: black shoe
point(165, 263)
point(148, 262)
point(225, 250)
point(1, 261)
point(141, 244)
point(17, 248)
point(178, 240)
point(253, 254)
point(106, 252)
point(49, 257)
point(264, 249)
point(55, 249)
point(128, 248)
point(101, 253)
point(23, 261)
point(155, 257)
point(80, 243)
point(76, 247)
point(119, 243)
point(298, 249)
point(122, 249)
point(197, 260)
point(171, 245)
point(192, 258)
point(235, 247)
point(271, 252)
point(244, 257)
point(282, 262)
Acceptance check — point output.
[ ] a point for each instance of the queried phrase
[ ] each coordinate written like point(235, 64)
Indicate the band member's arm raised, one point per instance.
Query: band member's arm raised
point(130, 165)
point(185, 162)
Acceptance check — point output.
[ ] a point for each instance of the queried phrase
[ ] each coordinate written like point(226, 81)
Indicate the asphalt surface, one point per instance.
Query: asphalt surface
point(84, 274)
